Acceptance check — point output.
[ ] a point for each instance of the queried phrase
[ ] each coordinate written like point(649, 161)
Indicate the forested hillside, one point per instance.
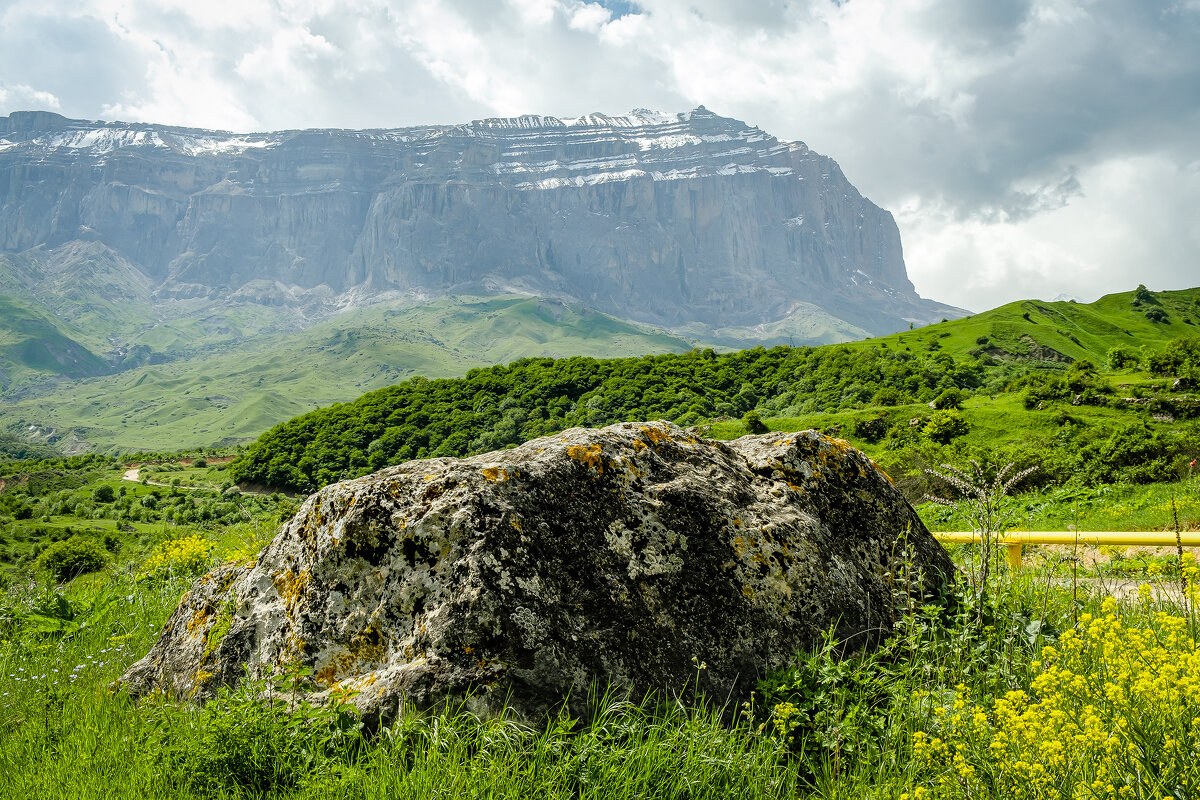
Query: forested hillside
point(1083, 371)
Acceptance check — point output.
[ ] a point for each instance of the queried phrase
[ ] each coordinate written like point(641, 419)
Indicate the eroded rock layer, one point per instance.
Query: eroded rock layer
point(622, 556)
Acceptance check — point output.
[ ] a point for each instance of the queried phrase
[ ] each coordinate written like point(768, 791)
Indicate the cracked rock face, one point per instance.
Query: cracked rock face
point(519, 578)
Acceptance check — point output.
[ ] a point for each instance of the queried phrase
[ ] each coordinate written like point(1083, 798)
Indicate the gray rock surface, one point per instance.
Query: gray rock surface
point(627, 556)
point(663, 219)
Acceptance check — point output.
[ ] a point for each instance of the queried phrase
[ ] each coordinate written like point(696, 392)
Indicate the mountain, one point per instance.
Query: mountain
point(676, 220)
point(164, 286)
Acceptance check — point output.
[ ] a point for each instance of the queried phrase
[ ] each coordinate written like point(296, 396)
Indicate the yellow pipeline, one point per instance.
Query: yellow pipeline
point(1014, 540)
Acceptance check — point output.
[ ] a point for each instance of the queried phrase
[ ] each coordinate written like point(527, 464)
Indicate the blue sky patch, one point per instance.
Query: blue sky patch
point(620, 8)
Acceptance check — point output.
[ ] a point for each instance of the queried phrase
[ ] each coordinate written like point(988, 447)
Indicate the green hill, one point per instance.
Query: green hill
point(235, 391)
point(1034, 330)
point(34, 346)
point(1007, 368)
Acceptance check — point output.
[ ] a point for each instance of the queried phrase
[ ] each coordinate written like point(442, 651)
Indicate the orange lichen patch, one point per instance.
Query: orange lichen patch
point(639, 445)
point(739, 545)
point(495, 474)
point(290, 585)
point(516, 523)
point(655, 435)
point(200, 618)
point(748, 592)
point(327, 676)
point(587, 455)
point(430, 477)
point(468, 649)
point(840, 444)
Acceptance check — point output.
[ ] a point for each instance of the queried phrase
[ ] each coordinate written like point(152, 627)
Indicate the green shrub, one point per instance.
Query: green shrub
point(75, 556)
point(754, 423)
point(1123, 357)
point(945, 425)
point(1179, 357)
point(889, 396)
point(871, 429)
point(949, 398)
point(103, 494)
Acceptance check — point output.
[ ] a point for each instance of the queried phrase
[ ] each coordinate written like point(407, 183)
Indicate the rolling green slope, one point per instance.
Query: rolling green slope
point(1066, 331)
point(236, 392)
point(33, 345)
point(907, 389)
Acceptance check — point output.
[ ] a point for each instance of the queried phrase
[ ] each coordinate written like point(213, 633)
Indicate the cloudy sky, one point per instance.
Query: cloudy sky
point(1027, 147)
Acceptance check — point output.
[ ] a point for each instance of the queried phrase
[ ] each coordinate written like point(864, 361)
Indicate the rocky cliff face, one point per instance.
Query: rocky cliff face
point(625, 556)
point(667, 219)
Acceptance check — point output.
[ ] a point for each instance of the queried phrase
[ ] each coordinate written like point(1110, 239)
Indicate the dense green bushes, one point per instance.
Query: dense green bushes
point(75, 556)
point(1181, 357)
point(502, 406)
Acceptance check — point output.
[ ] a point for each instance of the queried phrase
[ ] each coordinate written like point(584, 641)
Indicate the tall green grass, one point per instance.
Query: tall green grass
point(835, 723)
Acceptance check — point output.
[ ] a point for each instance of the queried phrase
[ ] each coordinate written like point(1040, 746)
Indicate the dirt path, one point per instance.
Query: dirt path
point(133, 474)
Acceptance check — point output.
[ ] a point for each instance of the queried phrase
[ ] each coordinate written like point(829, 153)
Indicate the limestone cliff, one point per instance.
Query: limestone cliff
point(667, 219)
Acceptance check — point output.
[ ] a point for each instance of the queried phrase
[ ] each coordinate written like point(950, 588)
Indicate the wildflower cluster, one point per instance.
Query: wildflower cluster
point(48, 672)
point(1111, 712)
point(184, 557)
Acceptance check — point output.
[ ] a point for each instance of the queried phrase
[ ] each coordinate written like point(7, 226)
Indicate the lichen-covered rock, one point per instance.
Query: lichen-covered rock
point(625, 556)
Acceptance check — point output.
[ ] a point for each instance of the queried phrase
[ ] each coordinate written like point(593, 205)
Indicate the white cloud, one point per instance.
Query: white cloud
point(590, 17)
point(1135, 223)
point(21, 96)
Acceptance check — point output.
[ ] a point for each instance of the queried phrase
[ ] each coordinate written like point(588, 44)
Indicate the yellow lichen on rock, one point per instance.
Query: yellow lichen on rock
point(200, 618)
point(655, 434)
point(289, 585)
point(495, 474)
point(589, 455)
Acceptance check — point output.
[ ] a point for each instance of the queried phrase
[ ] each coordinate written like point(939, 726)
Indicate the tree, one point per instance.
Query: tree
point(753, 423)
point(1123, 357)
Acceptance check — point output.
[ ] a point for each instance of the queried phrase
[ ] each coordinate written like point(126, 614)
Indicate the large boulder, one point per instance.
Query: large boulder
point(626, 556)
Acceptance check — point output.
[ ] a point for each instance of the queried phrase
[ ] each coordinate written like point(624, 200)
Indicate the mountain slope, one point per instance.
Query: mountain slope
point(237, 391)
point(34, 345)
point(1061, 332)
